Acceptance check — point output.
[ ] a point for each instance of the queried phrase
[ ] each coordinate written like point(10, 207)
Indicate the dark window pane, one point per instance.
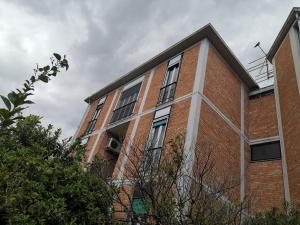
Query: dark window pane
point(167, 92)
point(266, 151)
point(130, 92)
point(126, 103)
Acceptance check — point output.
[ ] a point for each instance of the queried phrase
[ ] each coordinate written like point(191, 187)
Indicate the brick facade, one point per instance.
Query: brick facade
point(225, 108)
point(290, 114)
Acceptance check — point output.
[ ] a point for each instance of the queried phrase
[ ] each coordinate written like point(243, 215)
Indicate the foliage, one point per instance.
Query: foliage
point(275, 217)
point(170, 195)
point(16, 101)
point(41, 177)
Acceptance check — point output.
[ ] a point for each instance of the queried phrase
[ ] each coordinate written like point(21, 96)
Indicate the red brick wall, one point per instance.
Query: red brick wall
point(156, 84)
point(290, 114)
point(222, 86)
point(187, 71)
point(218, 139)
point(265, 185)
point(262, 117)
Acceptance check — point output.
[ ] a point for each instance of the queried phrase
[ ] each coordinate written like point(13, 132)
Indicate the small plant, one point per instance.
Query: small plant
point(15, 102)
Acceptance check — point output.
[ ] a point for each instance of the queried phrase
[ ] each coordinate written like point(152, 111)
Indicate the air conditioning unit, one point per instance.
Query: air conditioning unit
point(113, 146)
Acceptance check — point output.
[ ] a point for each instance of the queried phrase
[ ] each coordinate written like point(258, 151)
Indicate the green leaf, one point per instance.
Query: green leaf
point(57, 56)
point(44, 78)
point(46, 68)
point(28, 102)
point(12, 96)
point(54, 68)
point(4, 113)
point(32, 78)
point(6, 102)
point(26, 86)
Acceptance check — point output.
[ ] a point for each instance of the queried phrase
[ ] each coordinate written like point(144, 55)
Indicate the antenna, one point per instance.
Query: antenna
point(260, 67)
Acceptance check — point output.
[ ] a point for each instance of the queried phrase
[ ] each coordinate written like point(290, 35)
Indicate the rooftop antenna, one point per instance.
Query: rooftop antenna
point(261, 65)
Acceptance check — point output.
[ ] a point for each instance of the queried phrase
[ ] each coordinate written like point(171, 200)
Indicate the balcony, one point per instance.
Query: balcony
point(123, 112)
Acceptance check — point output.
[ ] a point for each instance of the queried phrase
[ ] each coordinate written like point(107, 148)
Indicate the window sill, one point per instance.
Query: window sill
point(265, 160)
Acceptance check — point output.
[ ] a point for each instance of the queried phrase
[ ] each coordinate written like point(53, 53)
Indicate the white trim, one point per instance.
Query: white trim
point(264, 140)
point(295, 47)
point(162, 112)
point(242, 145)
point(102, 126)
point(81, 122)
point(132, 83)
point(179, 99)
point(282, 145)
point(194, 114)
point(174, 60)
point(135, 126)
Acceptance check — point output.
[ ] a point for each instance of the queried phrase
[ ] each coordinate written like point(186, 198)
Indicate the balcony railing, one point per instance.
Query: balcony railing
point(167, 93)
point(123, 112)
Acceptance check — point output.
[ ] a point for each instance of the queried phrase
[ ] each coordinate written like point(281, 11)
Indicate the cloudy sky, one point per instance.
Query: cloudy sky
point(105, 39)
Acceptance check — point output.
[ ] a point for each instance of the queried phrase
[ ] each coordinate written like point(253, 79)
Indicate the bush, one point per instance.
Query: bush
point(275, 217)
point(41, 177)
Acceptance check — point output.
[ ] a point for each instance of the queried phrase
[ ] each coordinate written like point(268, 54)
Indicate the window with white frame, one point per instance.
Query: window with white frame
point(156, 139)
point(167, 91)
point(95, 116)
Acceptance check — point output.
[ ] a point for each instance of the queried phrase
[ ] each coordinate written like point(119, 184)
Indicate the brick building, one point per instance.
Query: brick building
point(199, 87)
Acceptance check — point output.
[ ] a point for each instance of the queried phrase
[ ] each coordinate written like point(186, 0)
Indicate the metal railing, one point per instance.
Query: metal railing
point(123, 112)
point(167, 93)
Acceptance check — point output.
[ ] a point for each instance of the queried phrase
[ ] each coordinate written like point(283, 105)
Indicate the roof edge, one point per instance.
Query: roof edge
point(261, 90)
point(282, 33)
point(208, 31)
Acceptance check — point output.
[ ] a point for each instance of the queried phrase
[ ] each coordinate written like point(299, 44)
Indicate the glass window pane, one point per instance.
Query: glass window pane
point(171, 74)
point(176, 68)
point(161, 136)
point(154, 138)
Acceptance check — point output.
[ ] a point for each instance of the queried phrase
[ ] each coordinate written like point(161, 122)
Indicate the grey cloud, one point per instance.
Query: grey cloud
point(105, 39)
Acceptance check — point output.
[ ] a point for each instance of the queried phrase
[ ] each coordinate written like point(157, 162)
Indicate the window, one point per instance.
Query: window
point(95, 116)
point(266, 151)
point(84, 140)
point(140, 205)
point(126, 103)
point(156, 140)
point(167, 92)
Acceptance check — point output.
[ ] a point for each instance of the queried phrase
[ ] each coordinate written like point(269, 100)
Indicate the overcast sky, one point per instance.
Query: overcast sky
point(105, 39)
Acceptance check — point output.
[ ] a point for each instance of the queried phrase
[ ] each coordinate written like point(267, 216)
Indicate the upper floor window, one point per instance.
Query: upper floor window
point(95, 116)
point(266, 151)
point(126, 103)
point(167, 91)
point(156, 139)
